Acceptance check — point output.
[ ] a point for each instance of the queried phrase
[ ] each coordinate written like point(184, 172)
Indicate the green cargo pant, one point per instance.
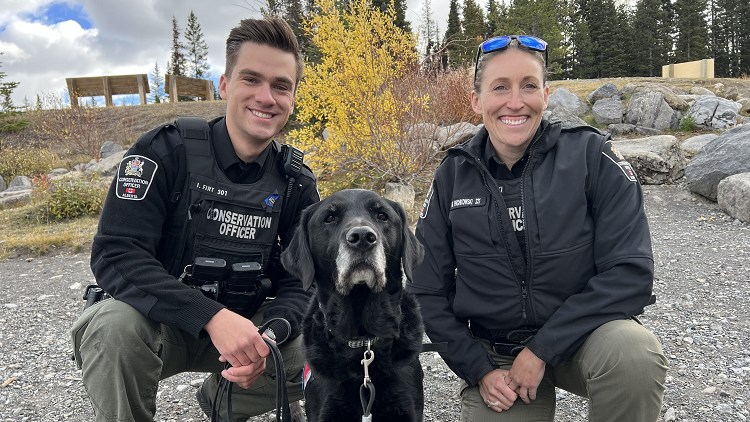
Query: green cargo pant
point(124, 355)
point(620, 368)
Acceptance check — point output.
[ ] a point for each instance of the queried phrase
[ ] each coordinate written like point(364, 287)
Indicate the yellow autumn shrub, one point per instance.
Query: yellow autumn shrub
point(356, 93)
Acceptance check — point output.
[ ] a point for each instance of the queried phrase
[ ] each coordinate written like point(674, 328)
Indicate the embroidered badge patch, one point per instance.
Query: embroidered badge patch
point(613, 153)
point(426, 203)
point(134, 177)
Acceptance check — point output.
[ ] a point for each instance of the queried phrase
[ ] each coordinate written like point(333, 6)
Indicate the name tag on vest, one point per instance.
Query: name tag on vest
point(468, 202)
point(211, 187)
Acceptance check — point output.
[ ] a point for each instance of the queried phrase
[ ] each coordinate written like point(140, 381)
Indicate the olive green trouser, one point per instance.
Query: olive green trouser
point(124, 355)
point(620, 368)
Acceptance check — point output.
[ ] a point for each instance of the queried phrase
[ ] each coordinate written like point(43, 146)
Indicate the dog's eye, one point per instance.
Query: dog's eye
point(382, 216)
point(330, 219)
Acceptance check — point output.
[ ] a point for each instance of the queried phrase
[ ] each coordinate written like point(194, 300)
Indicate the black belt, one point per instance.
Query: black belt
point(505, 342)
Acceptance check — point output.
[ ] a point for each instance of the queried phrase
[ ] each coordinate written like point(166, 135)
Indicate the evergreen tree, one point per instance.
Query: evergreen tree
point(400, 7)
point(652, 26)
point(157, 85)
point(582, 57)
point(692, 30)
point(176, 63)
point(453, 34)
point(428, 33)
point(6, 90)
point(493, 19)
point(197, 49)
point(473, 31)
point(542, 19)
point(39, 104)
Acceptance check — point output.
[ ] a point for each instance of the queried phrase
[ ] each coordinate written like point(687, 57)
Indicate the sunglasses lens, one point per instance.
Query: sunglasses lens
point(532, 42)
point(495, 44)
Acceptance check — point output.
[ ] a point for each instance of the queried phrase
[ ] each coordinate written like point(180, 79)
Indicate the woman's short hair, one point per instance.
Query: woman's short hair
point(270, 31)
point(512, 45)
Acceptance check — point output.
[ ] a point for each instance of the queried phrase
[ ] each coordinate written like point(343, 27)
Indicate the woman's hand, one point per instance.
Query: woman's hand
point(525, 375)
point(495, 391)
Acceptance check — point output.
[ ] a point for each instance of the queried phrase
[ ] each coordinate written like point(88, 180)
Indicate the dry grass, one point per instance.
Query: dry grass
point(24, 233)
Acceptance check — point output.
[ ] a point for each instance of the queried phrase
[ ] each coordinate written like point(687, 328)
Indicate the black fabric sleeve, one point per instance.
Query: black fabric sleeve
point(624, 261)
point(434, 285)
point(291, 298)
point(123, 256)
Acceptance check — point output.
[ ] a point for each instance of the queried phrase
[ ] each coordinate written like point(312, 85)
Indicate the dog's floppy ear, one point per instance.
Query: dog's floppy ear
point(297, 257)
point(412, 252)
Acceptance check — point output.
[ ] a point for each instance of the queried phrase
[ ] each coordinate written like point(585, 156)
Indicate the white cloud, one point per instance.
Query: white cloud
point(126, 37)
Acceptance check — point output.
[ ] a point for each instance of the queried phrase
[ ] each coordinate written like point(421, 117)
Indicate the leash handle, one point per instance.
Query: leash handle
point(280, 330)
point(367, 404)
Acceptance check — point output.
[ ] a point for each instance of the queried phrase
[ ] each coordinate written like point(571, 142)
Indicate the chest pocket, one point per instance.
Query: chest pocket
point(470, 222)
point(233, 233)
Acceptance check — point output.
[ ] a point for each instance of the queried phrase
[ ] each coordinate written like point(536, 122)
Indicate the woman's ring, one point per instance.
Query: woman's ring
point(493, 403)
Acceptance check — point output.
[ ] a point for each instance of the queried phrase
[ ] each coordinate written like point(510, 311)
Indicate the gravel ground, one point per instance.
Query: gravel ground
point(701, 317)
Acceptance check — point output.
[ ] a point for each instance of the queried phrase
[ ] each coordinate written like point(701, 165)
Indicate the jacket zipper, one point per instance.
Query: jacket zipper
point(505, 240)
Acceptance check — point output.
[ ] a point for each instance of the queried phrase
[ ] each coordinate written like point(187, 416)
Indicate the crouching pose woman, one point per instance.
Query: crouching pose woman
point(538, 257)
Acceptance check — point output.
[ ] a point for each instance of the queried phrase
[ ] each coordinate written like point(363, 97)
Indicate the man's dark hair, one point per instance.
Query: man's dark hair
point(270, 31)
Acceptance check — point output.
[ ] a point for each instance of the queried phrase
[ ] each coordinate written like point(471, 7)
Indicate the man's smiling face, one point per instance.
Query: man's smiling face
point(259, 93)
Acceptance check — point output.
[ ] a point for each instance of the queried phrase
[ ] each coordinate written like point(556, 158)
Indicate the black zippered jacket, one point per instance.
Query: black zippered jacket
point(133, 238)
point(588, 248)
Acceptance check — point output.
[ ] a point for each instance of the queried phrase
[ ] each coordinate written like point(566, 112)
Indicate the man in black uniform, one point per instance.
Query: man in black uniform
point(182, 194)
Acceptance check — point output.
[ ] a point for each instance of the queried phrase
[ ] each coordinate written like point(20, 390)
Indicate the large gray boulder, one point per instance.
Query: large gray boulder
point(733, 196)
point(699, 90)
point(57, 172)
point(656, 159)
point(3, 186)
point(566, 117)
point(617, 129)
point(729, 92)
point(724, 156)
point(19, 183)
point(448, 136)
point(561, 97)
point(691, 146)
point(714, 112)
point(107, 166)
point(607, 90)
point(648, 109)
point(9, 198)
point(403, 194)
point(109, 148)
point(608, 111)
point(671, 96)
point(422, 131)
point(744, 106)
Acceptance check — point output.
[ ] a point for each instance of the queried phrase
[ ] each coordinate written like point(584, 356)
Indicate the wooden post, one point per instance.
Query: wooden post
point(72, 92)
point(671, 70)
point(173, 94)
point(209, 90)
point(107, 92)
point(141, 89)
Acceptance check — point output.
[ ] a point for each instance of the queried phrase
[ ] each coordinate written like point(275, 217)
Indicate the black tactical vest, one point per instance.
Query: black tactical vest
point(221, 219)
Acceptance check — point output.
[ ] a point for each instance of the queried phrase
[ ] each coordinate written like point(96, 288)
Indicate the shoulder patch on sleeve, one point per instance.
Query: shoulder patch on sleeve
point(613, 154)
point(426, 203)
point(134, 176)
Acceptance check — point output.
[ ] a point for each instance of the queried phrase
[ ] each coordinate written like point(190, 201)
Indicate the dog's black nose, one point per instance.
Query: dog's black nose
point(361, 237)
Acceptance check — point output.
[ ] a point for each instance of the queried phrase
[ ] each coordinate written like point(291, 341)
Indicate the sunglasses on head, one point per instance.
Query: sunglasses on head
point(499, 43)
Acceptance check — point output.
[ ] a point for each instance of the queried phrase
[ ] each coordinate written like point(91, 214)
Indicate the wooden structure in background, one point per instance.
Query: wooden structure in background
point(107, 86)
point(190, 87)
point(697, 69)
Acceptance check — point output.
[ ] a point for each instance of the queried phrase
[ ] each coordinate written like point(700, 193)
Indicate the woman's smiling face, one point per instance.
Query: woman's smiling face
point(511, 100)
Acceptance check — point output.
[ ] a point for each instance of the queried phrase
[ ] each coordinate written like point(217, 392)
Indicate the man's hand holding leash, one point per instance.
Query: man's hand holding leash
point(239, 343)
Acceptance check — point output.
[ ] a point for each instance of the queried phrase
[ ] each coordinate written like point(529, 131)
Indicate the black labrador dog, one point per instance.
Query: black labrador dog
point(357, 250)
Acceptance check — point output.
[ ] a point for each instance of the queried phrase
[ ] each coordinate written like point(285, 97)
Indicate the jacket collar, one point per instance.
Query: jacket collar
point(544, 140)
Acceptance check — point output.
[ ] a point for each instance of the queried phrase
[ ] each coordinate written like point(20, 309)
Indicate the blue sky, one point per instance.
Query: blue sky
point(46, 41)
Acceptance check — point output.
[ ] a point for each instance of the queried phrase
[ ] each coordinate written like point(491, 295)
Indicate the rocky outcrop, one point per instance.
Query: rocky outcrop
point(720, 158)
point(607, 90)
point(714, 112)
point(691, 146)
point(733, 196)
point(655, 159)
point(403, 194)
point(561, 97)
point(109, 148)
point(566, 117)
point(448, 136)
point(648, 109)
point(107, 166)
point(19, 183)
point(608, 111)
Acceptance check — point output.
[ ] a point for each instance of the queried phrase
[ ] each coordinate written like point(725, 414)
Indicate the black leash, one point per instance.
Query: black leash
point(279, 329)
